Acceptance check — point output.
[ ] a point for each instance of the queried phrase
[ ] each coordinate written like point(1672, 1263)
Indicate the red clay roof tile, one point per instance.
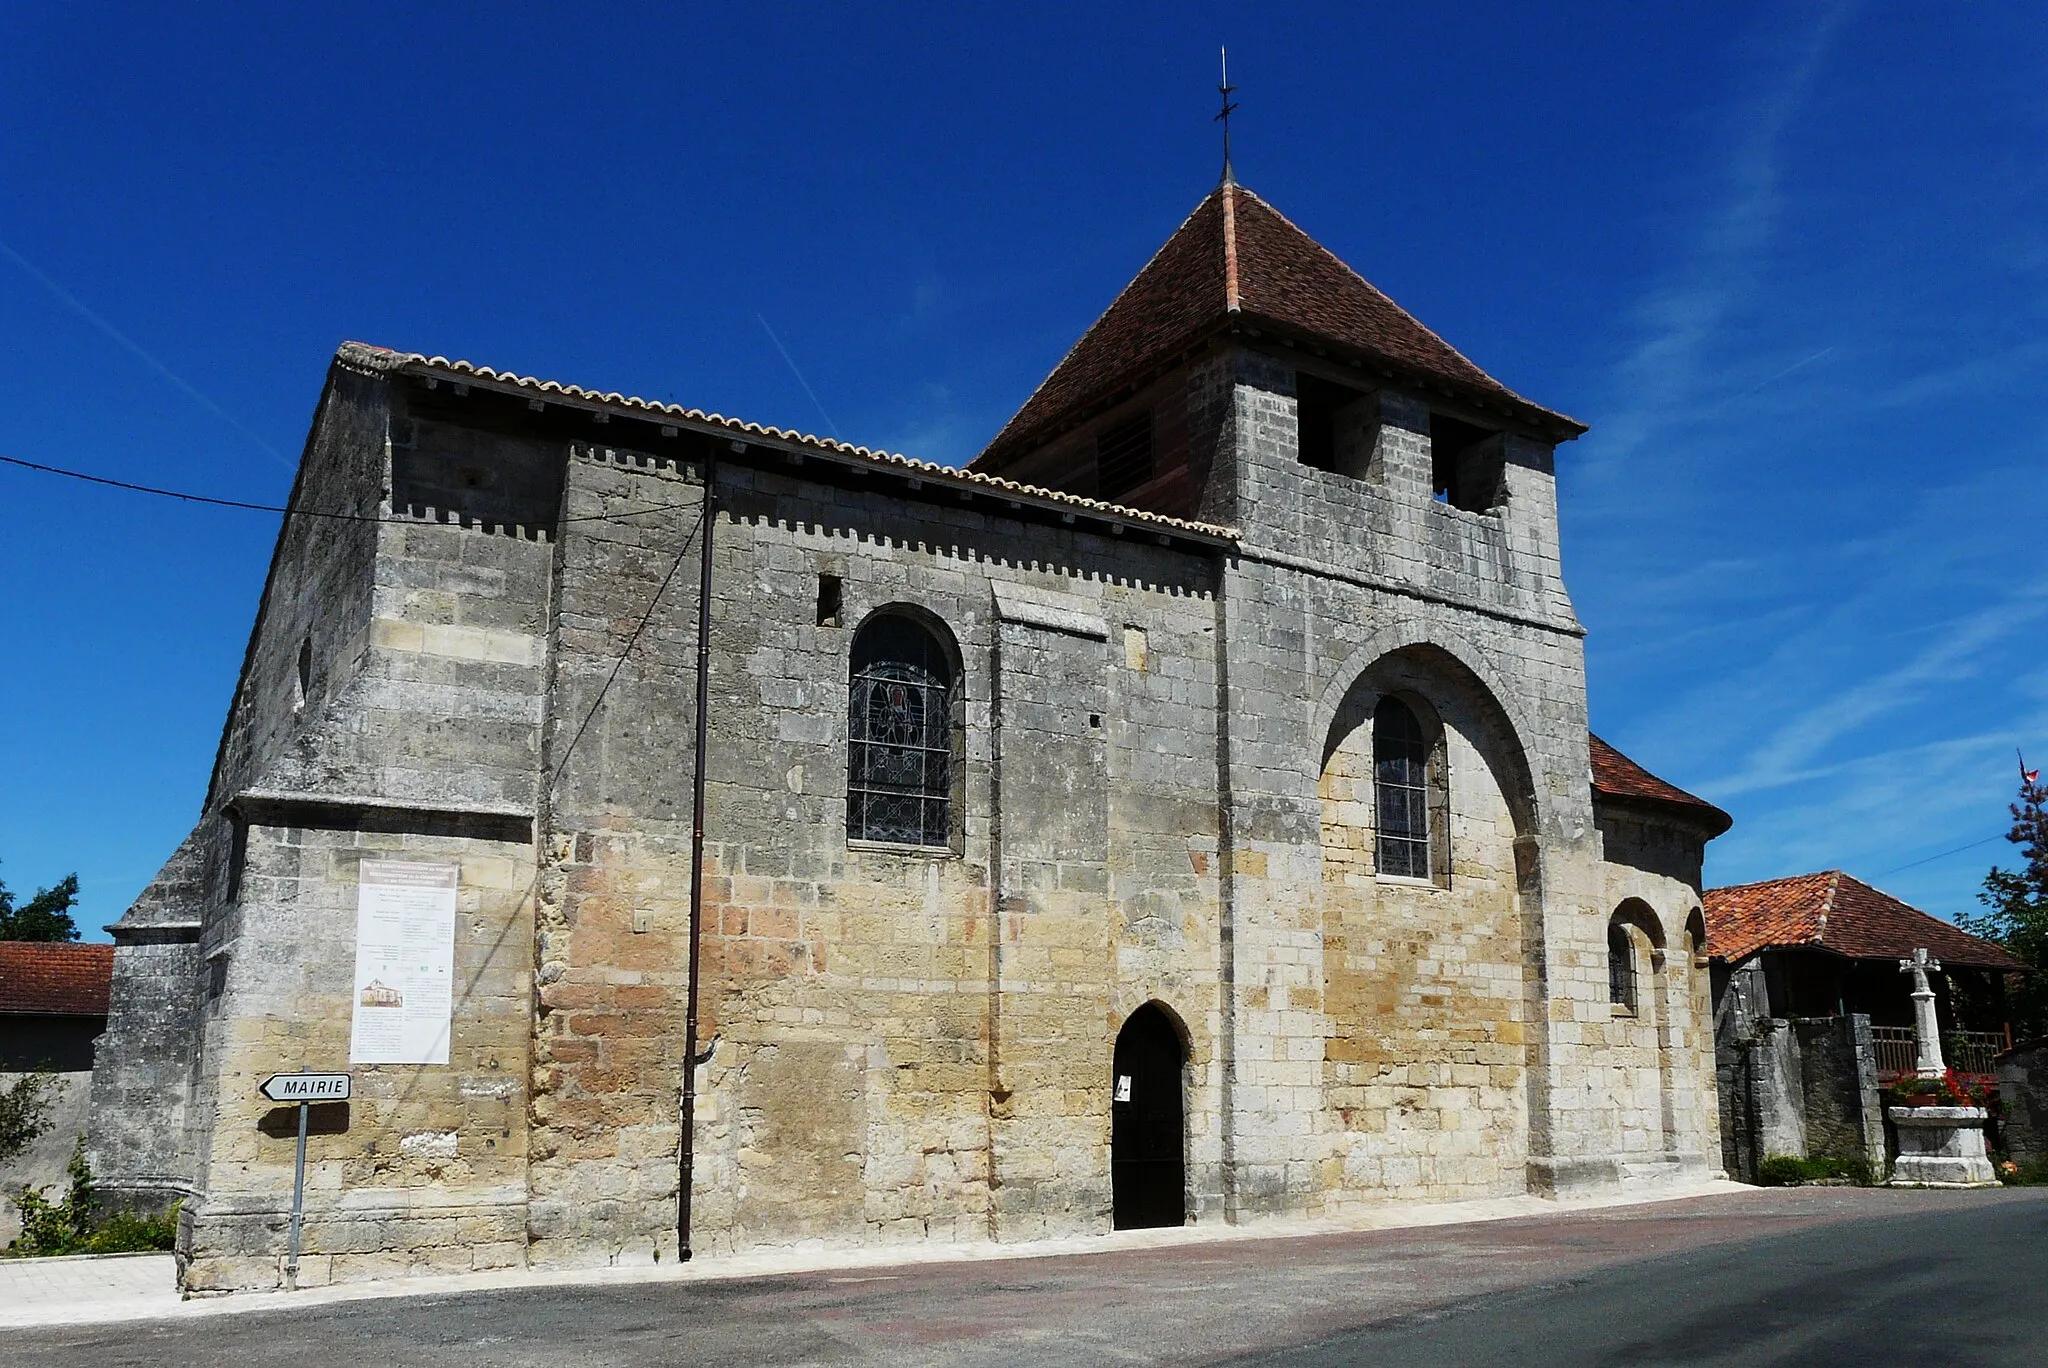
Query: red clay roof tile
point(1617, 776)
point(55, 978)
point(1834, 911)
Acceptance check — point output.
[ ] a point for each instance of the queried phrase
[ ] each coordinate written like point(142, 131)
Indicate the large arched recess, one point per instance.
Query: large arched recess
point(1446, 656)
point(1432, 987)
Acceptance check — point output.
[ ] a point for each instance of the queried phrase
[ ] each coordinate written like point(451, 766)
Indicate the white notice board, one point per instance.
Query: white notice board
point(405, 962)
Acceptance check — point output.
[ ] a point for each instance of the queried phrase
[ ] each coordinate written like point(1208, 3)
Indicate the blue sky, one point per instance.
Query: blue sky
point(1790, 260)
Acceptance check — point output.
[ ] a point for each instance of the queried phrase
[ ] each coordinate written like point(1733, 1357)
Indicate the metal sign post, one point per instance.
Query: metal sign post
point(291, 1267)
point(304, 1089)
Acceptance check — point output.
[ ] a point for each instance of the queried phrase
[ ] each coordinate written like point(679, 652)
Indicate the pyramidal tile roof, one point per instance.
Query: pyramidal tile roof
point(1617, 776)
point(1238, 260)
point(1834, 911)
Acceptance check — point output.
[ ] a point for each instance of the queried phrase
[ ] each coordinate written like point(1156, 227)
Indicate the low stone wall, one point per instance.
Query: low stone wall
point(1805, 1087)
point(1838, 1077)
point(42, 1165)
point(2023, 1101)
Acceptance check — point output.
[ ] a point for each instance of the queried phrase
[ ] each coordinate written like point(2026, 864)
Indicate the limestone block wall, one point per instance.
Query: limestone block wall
point(1338, 572)
point(140, 1133)
point(952, 1012)
point(1666, 1100)
point(424, 1170)
point(612, 941)
point(312, 628)
point(1425, 1069)
point(1804, 1087)
point(2023, 1102)
point(1844, 1111)
point(408, 684)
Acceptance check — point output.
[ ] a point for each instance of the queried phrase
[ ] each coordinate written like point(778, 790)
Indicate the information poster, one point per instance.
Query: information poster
point(405, 962)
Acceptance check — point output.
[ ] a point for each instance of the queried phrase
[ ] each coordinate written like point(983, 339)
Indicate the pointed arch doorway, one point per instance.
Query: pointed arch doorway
point(1147, 1123)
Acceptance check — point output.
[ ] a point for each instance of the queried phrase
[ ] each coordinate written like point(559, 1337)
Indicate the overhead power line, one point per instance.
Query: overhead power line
point(184, 497)
point(1943, 855)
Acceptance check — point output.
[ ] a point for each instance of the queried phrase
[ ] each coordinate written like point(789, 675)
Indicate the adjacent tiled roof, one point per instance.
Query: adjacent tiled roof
point(1238, 260)
point(1617, 776)
point(364, 357)
point(1832, 911)
point(55, 978)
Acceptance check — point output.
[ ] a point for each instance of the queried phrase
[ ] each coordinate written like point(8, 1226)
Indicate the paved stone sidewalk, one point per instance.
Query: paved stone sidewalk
point(88, 1287)
point(92, 1290)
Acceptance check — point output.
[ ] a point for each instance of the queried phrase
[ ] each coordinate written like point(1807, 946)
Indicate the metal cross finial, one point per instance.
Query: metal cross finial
point(1226, 90)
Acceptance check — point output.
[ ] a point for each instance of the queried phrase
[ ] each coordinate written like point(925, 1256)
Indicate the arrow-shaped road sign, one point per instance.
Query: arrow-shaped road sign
point(306, 1087)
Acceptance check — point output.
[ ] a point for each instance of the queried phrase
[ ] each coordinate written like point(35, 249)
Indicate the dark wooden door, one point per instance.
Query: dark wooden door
point(1147, 1157)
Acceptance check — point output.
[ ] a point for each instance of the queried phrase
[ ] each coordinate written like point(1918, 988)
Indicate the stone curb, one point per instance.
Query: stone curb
point(1397, 1216)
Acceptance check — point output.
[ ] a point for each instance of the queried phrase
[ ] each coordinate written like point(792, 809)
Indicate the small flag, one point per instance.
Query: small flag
point(2027, 776)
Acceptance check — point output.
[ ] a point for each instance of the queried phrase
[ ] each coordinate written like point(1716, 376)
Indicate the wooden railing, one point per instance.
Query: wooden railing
point(1971, 1052)
point(1967, 1052)
point(1897, 1051)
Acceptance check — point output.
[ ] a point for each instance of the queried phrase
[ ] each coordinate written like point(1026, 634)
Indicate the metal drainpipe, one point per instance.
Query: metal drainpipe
point(686, 1148)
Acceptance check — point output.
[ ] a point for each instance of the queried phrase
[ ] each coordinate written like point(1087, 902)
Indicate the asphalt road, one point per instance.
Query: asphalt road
point(1808, 1277)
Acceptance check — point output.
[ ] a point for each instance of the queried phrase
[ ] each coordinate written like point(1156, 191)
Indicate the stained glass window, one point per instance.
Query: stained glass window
point(899, 771)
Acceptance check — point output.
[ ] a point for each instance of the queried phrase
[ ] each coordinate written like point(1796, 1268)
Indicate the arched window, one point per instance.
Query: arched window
point(899, 762)
point(1621, 967)
point(1407, 794)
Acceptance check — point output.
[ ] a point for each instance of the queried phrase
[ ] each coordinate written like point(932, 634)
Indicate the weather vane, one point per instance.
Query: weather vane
point(1226, 90)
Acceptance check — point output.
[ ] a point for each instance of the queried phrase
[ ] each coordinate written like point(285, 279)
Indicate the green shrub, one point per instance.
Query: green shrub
point(1789, 1170)
point(25, 1111)
point(73, 1225)
point(129, 1232)
point(2033, 1173)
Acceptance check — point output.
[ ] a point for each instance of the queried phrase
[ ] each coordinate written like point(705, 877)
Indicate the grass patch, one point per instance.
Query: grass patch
point(1789, 1170)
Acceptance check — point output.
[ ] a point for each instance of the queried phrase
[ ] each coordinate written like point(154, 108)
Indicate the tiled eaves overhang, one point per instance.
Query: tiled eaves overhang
point(1372, 369)
point(924, 477)
point(1710, 821)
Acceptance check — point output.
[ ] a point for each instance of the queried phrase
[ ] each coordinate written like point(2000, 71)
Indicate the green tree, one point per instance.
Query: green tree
point(45, 917)
point(25, 1111)
point(2017, 900)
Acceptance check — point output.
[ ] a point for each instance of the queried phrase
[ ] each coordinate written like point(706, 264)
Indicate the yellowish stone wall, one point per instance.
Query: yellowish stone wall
point(430, 1173)
point(1424, 1070)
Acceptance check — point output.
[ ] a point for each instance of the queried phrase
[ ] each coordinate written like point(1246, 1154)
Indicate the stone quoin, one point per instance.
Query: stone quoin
point(1214, 747)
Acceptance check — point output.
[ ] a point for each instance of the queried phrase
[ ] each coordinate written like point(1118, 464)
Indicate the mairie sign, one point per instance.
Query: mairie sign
point(305, 1087)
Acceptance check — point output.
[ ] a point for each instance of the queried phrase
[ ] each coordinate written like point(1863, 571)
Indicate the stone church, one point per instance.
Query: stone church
point(1184, 813)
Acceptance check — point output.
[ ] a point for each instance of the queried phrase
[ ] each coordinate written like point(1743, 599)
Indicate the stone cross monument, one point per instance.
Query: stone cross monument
point(1926, 1027)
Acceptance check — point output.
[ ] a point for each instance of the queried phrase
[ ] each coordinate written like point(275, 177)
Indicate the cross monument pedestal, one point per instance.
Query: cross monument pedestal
point(1938, 1146)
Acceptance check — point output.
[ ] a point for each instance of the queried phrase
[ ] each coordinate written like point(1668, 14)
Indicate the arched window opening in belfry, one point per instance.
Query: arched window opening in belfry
point(900, 735)
point(1621, 966)
point(1409, 795)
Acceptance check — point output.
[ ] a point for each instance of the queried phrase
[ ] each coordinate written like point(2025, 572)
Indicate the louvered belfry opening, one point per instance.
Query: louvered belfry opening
point(1123, 456)
point(899, 771)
